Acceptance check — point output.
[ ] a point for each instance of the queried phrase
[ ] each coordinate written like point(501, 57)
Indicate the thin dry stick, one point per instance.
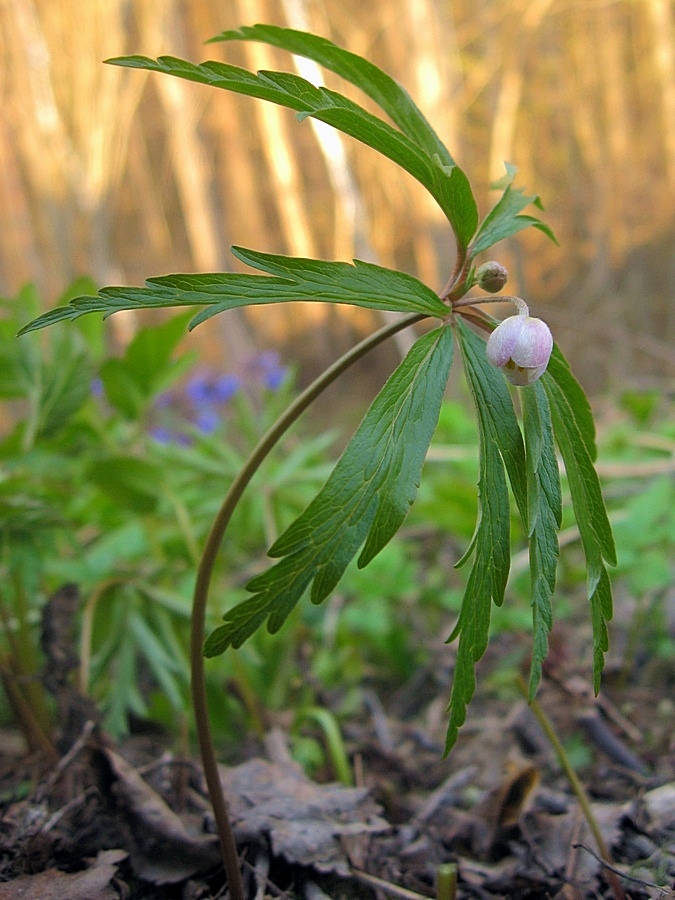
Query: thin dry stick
point(386, 887)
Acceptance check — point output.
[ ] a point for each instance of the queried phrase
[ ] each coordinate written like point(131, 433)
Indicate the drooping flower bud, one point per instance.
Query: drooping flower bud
point(521, 347)
point(492, 276)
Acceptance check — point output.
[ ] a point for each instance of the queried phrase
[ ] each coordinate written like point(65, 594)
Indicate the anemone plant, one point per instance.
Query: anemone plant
point(367, 496)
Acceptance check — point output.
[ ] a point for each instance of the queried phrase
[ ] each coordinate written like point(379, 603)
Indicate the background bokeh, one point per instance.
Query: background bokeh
point(121, 174)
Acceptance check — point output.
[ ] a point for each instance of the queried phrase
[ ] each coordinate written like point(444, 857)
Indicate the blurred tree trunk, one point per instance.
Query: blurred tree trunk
point(510, 89)
point(120, 175)
point(663, 24)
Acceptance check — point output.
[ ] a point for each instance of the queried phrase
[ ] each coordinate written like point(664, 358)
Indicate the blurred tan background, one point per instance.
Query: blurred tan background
point(121, 175)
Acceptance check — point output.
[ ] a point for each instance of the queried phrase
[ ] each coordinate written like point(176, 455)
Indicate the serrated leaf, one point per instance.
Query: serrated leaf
point(293, 91)
point(544, 517)
point(559, 370)
point(487, 579)
point(504, 218)
point(379, 86)
point(365, 499)
point(473, 640)
point(589, 506)
point(589, 509)
point(308, 280)
point(494, 404)
point(451, 186)
point(500, 447)
point(346, 283)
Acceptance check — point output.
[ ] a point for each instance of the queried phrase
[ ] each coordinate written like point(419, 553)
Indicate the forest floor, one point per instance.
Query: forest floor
point(101, 821)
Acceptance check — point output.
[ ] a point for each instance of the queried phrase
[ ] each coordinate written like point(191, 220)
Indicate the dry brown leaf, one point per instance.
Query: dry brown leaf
point(660, 804)
point(162, 850)
point(90, 884)
point(304, 821)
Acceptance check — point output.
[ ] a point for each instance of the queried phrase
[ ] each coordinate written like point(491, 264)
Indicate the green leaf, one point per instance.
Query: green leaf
point(504, 220)
point(361, 284)
point(20, 361)
point(501, 451)
point(559, 371)
point(149, 354)
point(495, 410)
point(121, 389)
point(490, 544)
point(54, 377)
point(366, 497)
point(128, 481)
point(379, 86)
point(147, 367)
point(290, 90)
point(452, 191)
point(64, 384)
point(589, 509)
point(544, 518)
point(449, 185)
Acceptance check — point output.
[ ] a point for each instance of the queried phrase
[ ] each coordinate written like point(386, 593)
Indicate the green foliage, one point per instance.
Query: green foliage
point(361, 284)
point(95, 499)
point(133, 380)
point(367, 496)
point(544, 517)
point(375, 83)
point(505, 219)
point(571, 424)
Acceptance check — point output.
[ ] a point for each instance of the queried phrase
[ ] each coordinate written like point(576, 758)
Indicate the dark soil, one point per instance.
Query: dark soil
point(133, 821)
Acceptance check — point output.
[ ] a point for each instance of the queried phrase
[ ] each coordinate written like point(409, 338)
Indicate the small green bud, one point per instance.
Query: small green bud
point(492, 276)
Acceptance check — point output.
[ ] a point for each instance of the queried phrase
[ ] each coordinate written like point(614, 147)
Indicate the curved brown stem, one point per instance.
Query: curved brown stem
point(204, 573)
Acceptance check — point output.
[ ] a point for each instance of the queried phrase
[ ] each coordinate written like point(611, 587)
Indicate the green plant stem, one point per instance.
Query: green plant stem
point(334, 742)
point(36, 736)
point(446, 882)
point(86, 631)
point(25, 691)
point(204, 573)
point(577, 787)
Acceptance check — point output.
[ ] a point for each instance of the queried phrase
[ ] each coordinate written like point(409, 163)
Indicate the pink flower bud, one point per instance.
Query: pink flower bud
point(521, 347)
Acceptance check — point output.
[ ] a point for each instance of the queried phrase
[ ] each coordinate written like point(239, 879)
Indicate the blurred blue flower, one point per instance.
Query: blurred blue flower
point(207, 420)
point(199, 391)
point(210, 390)
point(164, 435)
point(202, 400)
point(225, 387)
point(268, 368)
point(97, 387)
